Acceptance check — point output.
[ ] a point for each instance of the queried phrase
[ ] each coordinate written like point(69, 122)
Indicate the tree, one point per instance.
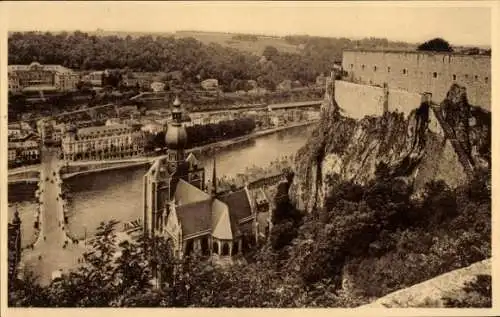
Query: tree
point(437, 45)
point(270, 52)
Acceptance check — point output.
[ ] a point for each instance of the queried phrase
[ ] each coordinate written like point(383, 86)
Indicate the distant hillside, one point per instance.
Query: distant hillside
point(234, 40)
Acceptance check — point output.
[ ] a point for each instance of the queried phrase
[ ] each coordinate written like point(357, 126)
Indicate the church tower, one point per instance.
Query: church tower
point(176, 137)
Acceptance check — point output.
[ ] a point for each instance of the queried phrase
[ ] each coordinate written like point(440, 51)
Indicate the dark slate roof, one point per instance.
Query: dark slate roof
point(195, 217)
point(239, 206)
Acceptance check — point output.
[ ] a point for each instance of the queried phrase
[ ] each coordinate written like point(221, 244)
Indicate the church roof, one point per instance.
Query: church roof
point(198, 211)
point(238, 204)
point(195, 217)
point(186, 193)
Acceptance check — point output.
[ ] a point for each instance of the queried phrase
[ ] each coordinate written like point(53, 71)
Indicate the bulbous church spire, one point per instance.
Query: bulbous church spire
point(176, 136)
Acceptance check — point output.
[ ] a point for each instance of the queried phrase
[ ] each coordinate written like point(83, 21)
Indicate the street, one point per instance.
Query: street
point(51, 252)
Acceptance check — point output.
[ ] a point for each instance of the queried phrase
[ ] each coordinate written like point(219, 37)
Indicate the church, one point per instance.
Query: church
point(179, 205)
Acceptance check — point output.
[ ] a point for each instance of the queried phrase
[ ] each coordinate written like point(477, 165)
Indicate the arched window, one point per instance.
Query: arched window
point(404, 71)
point(235, 247)
point(435, 75)
point(454, 77)
point(189, 247)
point(374, 68)
point(204, 246)
point(389, 69)
point(215, 247)
point(225, 249)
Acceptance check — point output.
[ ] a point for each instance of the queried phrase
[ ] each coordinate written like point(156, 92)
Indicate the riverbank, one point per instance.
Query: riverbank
point(86, 167)
point(24, 169)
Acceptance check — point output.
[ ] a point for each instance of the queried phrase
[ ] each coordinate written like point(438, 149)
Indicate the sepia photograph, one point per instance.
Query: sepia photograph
point(247, 154)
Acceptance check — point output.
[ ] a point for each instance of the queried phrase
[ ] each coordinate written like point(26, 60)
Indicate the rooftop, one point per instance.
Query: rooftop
point(102, 129)
point(186, 193)
point(195, 217)
point(412, 52)
point(238, 204)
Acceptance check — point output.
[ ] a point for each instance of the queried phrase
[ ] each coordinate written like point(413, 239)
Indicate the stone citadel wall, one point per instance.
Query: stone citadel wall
point(421, 72)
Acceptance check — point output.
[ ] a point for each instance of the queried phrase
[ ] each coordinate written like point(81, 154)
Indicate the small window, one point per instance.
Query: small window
point(486, 79)
point(352, 66)
point(374, 68)
point(388, 69)
point(454, 77)
point(363, 67)
point(435, 75)
point(475, 77)
point(404, 71)
point(466, 76)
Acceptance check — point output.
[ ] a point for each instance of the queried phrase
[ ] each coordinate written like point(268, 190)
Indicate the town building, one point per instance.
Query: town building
point(25, 150)
point(178, 205)
point(421, 71)
point(157, 86)
point(102, 142)
point(94, 78)
point(38, 77)
point(210, 84)
point(18, 130)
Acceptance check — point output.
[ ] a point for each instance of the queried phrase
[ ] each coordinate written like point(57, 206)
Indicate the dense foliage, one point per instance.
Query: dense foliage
point(437, 45)
point(204, 134)
point(187, 58)
point(366, 242)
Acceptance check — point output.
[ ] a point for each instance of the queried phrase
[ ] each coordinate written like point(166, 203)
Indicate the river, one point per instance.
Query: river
point(22, 198)
point(117, 194)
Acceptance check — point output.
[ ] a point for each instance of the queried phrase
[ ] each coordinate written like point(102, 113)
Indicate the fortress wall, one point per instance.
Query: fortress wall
point(403, 101)
point(420, 72)
point(358, 100)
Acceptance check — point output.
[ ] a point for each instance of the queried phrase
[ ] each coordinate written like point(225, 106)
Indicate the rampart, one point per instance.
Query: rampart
point(421, 72)
point(357, 101)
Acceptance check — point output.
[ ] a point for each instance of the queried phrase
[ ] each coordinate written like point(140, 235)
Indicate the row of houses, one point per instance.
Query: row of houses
point(36, 77)
point(24, 151)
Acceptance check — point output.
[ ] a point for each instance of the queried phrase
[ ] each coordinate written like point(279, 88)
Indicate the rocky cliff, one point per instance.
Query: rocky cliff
point(342, 148)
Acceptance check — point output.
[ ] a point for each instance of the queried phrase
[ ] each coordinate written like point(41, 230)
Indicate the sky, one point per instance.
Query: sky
point(457, 22)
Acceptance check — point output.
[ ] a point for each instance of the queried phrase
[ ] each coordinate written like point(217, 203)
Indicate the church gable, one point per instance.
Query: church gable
point(192, 161)
point(221, 221)
point(173, 227)
point(186, 193)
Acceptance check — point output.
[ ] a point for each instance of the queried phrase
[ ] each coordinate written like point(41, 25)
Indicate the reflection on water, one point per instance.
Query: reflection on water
point(118, 194)
point(22, 198)
point(261, 152)
point(104, 196)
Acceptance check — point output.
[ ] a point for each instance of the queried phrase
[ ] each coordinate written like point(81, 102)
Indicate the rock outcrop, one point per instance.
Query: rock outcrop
point(342, 148)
